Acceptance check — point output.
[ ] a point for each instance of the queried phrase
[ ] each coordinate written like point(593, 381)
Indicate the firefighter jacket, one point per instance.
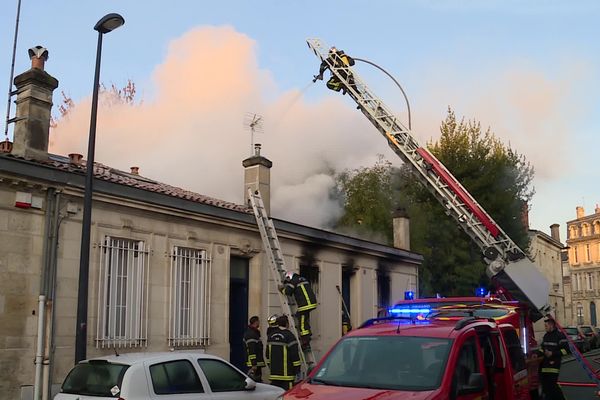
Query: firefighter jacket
point(254, 348)
point(300, 288)
point(282, 355)
point(555, 342)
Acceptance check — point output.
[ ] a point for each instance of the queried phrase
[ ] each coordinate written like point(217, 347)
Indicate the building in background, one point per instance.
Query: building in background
point(584, 263)
point(169, 268)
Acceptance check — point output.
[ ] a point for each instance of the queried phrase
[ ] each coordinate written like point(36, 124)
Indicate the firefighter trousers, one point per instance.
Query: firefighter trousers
point(550, 388)
point(285, 385)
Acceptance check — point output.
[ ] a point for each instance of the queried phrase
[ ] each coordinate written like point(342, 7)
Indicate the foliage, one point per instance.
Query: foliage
point(367, 194)
point(108, 97)
point(496, 176)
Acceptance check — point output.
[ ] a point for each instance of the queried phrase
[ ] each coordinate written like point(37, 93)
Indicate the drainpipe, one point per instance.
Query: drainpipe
point(52, 281)
point(39, 355)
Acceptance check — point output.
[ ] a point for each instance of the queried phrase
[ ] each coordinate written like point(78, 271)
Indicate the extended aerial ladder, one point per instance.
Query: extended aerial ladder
point(277, 266)
point(513, 274)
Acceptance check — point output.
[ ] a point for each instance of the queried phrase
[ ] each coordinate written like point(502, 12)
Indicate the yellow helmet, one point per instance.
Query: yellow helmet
point(273, 320)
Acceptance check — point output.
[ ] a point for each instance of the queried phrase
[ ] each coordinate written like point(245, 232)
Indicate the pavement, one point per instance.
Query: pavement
point(571, 371)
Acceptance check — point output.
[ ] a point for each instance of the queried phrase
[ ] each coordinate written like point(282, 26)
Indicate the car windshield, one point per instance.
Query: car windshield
point(385, 362)
point(586, 329)
point(571, 331)
point(99, 378)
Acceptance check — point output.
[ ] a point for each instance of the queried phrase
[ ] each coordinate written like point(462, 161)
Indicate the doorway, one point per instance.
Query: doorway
point(238, 309)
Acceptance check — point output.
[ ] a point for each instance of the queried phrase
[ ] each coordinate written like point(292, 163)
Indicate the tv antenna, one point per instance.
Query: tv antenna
point(254, 123)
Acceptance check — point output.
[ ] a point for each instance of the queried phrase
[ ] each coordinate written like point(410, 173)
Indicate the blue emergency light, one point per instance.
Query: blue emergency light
point(480, 292)
point(409, 310)
point(409, 295)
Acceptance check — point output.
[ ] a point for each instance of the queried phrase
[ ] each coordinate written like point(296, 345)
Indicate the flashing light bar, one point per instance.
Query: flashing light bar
point(409, 310)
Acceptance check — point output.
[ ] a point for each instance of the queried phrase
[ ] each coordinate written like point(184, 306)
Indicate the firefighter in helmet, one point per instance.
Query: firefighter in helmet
point(306, 301)
point(337, 59)
point(282, 355)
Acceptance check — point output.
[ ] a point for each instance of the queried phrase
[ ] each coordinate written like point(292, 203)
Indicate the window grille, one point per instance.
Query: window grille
point(189, 298)
point(122, 293)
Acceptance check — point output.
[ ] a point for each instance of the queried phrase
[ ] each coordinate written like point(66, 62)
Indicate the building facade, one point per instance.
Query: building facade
point(169, 268)
point(584, 264)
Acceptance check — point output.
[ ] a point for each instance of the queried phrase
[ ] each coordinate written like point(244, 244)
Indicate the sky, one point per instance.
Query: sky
point(529, 70)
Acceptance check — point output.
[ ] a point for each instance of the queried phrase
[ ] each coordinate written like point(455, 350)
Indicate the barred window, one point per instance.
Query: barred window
point(189, 297)
point(122, 293)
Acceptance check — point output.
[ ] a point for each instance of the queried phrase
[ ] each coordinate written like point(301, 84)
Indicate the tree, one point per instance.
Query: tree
point(108, 97)
point(367, 194)
point(496, 176)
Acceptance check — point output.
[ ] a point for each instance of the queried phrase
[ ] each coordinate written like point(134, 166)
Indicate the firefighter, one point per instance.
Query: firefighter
point(254, 350)
point(554, 346)
point(338, 59)
point(282, 355)
point(272, 324)
point(306, 301)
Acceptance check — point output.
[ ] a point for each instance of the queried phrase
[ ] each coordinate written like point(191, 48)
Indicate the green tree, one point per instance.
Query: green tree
point(367, 194)
point(496, 176)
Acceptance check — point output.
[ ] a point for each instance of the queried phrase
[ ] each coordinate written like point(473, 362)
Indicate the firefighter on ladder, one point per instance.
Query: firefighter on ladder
point(282, 355)
point(339, 59)
point(306, 301)
point(554, 346)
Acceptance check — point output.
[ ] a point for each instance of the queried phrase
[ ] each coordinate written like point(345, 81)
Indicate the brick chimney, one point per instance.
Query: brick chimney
point(401, 226)
point(555, 232)
point(597, 209)
point(525, 215)
point(257, 176)
point(580, 212)
point(34, 102)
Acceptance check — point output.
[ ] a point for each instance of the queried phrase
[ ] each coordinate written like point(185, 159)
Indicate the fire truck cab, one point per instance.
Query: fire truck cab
point(421, 358)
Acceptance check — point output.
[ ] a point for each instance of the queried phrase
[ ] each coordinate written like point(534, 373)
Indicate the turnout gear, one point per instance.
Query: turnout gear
point(282, 357)
point(554, 346)
point(254, 353)
point(338, 59)
point(306, 301)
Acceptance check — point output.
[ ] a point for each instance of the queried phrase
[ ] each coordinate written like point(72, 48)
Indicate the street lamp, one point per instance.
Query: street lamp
point(106, 24)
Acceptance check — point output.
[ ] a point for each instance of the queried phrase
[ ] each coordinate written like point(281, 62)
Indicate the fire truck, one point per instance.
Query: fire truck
point(521, 289)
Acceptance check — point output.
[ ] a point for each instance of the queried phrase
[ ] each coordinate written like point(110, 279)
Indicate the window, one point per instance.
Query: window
point(95, 378)
point(588, 254)
point(575, 260)
point(579, 314)
point(189, 289)
point(175, 377)
point(572, 232)
point(122, 293)
point(596, 227)
point(221, 377)
point(515, 351)
point(383, 289)
point(585, 230)
point(466, 364)
point(590, 283)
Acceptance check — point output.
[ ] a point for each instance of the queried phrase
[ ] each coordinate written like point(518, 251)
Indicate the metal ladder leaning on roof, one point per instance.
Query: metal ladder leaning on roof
point(277, 267)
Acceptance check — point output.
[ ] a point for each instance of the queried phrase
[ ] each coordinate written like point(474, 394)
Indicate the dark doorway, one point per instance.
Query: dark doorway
point(383, 289)
point(238, 309)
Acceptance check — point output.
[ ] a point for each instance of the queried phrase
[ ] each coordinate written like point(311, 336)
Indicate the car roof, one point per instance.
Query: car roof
point(433, 328)
point(141, 357)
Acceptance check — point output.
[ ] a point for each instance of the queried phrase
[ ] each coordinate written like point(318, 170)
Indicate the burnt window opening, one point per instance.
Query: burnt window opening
point(383, 289)
point(347, 273)
point(310, 272)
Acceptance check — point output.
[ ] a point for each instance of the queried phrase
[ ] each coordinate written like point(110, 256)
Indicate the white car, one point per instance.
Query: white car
point(174, 375)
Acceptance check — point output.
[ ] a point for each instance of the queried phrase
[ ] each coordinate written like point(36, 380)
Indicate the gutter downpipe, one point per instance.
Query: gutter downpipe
point(49, 355)
point(37, 386)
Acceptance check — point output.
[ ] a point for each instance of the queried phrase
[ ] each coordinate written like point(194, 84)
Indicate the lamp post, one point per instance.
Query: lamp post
point(106, 24)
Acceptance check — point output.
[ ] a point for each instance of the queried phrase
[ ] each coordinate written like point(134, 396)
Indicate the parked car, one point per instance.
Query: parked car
point(589, 332)
point(577, 338)
point(165, 376)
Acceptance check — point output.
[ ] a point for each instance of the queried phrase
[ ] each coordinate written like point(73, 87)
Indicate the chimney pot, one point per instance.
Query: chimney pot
point(135, 170)
point(38, 56)
point(580, 212)
point(257, 149)
point(555, 232)
point(75, 158)
point(597, 209)
point(6, 146)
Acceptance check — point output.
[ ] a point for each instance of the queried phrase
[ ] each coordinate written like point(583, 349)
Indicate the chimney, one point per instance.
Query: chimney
point(75, 158)
point(135, 170)
point(597, 209)
point(257, 176)
point(555, 232)
point(401, 226)
point(34, 102)
point(580, 212)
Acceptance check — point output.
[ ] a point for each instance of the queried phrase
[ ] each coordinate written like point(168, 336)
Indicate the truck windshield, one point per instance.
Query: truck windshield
point(95, 379)
point(386, 362)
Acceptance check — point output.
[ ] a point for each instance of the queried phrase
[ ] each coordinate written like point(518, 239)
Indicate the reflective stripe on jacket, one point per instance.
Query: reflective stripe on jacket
point(555, 342)
point(254, 348)
point(282, 355)
point(300, 288)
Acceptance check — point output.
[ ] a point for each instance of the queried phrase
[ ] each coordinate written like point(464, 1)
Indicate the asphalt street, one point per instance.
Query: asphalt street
point(571, 371)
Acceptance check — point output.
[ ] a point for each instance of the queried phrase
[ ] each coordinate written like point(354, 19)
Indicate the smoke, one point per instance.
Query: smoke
point(191, 133)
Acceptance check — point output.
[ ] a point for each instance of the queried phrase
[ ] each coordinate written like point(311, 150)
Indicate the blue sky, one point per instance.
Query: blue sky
point(528, 69)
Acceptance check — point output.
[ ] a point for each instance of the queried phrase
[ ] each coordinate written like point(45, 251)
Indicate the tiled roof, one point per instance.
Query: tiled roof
point(107, 173)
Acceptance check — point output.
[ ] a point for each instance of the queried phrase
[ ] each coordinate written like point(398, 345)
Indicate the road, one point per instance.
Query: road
point(571, 371)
